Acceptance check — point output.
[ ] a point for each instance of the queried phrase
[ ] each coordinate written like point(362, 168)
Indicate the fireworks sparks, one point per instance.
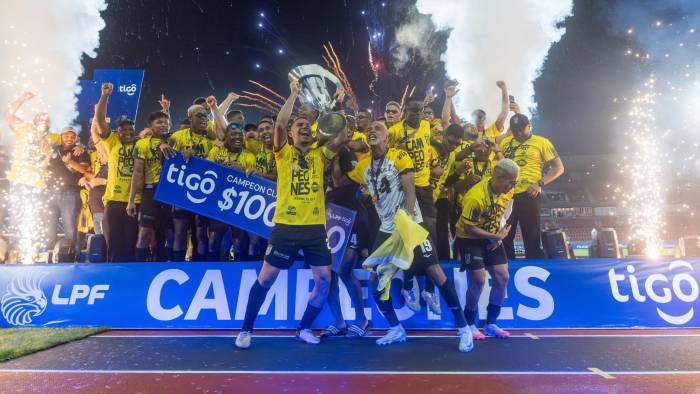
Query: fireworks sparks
point(259, 100)
point(642, 168)
point(261, 86)
point(406, 94)
point(26, 199)
point(333, 63)
point(660, 160)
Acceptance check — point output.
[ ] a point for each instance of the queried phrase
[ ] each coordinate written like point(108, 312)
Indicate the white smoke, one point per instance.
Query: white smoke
point(411, 37)
point(496, 40)
point(41, 47)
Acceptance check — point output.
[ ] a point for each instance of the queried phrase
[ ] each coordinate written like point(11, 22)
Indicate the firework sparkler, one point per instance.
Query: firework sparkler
point(333, 63)
point(662, 141)
point(642, 166)
point(259, 100)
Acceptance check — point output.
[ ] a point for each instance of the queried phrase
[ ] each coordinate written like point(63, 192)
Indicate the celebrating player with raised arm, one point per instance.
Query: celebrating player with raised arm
point(300, 218)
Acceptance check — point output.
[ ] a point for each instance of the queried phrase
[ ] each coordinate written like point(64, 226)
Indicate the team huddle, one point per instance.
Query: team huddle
point(467, 184)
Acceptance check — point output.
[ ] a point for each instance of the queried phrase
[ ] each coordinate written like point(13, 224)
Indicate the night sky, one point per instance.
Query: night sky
point(197, 48)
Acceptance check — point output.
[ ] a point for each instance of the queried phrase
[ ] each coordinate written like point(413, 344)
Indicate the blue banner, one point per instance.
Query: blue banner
point(127, 91)
point(87, 98)
point(541, 294)
point(124, 99)
point(229, 196)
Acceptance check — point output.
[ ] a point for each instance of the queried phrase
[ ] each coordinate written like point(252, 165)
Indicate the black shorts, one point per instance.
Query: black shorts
point(346, 197)
point(476, 255)
point(153, 214)
point(286, 241)
point(217, 226)
point(424, 196)
point(424, 255)
point(199, 220)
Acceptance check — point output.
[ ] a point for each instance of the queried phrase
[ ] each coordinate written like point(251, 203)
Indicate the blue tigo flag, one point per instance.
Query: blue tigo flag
point(246, 202)
point(127, 91)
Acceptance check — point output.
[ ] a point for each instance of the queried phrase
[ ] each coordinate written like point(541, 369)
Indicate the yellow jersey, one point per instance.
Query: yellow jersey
point(438, 158)
point(265, 162)
point(95, 163)
point(253, 146)
point(452, 165)
point(490, 132)
point(416, 142)
point(482, 208)
point(54, 139)
point(531, 155)
point(186, 139)
point(29, 166)
point(300, 189)
point(120, 168)
point(482, 168)
point(359, 136)
point(314, 130)
point(147, 149)
point(227, 158)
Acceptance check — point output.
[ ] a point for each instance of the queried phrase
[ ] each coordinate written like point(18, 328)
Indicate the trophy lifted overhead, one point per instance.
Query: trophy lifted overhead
point(314, 82)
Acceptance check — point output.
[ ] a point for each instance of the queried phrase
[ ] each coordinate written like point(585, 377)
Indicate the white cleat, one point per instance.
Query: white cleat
point(307, 336)
point(411, 300)
point(466, 342)
point(243, 339)
point(493, 330)
point(393, 335)
point(432, 301)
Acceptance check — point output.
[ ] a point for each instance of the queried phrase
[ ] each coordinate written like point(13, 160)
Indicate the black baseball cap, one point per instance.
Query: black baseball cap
point(455, 130)
point(518, 123)
point(123, 119)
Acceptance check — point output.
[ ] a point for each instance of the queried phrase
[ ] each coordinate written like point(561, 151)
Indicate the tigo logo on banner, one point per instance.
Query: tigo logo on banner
point(130, 90)
point(684, 286)
point(193, 182)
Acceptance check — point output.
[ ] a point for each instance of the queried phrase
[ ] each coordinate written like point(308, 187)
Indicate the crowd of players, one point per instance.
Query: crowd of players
point(457, 179)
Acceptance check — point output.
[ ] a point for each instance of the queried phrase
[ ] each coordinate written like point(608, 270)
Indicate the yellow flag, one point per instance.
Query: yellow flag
point(396, 252)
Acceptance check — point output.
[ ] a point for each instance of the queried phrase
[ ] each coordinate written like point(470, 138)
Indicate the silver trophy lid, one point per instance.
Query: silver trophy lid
point(314, 83)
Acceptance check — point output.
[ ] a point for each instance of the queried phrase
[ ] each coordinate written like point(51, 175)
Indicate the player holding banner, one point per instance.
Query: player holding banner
point(300, 218)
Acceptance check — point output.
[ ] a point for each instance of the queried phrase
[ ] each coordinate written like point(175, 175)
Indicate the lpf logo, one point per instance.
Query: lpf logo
point(194, 183)
point(23, 301)
point(130, 90)
point(662, 289)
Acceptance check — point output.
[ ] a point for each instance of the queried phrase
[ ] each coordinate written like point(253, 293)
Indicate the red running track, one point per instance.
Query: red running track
point(147, 381)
